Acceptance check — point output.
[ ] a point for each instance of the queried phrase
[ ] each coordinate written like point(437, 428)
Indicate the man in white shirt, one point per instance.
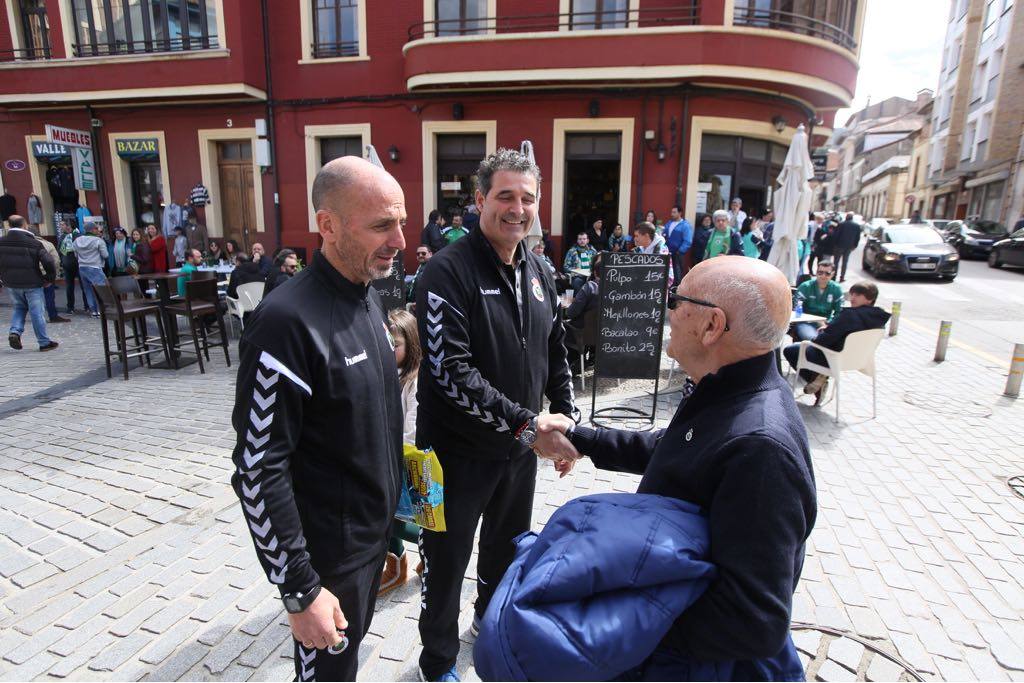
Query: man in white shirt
point(736, 214)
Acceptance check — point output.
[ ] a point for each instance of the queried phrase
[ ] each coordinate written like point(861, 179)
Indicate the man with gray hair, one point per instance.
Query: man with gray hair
point(736, 447)
point(318, 413)
point(492, 335)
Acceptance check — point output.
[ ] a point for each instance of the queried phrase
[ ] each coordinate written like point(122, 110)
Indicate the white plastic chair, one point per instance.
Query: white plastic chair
point(858, 354)
point(249, 296)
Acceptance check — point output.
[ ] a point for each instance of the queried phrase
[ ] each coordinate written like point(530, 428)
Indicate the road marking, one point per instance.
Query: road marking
point(960, 345)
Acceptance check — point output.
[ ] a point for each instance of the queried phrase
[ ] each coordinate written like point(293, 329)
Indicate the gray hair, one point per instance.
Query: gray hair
point(721, 213)
point(505, 160)
point(753, 321)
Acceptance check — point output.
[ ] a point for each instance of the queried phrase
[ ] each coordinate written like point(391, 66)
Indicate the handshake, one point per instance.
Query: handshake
point(552, 444)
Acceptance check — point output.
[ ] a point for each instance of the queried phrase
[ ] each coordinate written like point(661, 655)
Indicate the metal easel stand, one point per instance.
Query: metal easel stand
point(607, 417)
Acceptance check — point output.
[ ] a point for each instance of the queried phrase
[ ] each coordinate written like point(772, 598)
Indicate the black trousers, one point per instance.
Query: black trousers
point(357, 593)
point(792, 354)
point(70, 265)
point(678, 268)
point(501, 491)
point(837, 256)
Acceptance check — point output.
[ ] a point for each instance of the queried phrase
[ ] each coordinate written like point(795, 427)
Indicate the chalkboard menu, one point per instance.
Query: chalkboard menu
point(392, 287)
point(632, 292)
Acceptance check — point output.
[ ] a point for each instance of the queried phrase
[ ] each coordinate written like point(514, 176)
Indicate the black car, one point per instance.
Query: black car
point(975, 238)
point(910, 250)
point(1008, 252)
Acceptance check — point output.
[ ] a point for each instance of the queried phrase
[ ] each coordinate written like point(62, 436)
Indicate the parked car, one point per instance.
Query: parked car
point(1008, 252)
point(975, 238)
point(904, 249)
point(870, 226)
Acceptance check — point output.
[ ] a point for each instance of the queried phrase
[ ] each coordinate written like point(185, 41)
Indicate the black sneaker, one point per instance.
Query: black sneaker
point(59, 319)
point(49, 347)
point(14, 340)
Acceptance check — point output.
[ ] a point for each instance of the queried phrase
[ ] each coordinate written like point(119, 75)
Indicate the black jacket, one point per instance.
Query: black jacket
point(825, 239)
point(846, 236)
point(432, 237)
point(242, 275)
point(736, 447)
point(318, 413)
point(586, 299)
point(21, 257)
point(850, 320)
point(487, 365)
point(275, 279)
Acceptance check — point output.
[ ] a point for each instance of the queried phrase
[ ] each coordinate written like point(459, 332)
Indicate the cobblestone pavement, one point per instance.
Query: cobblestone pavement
point(123, 554)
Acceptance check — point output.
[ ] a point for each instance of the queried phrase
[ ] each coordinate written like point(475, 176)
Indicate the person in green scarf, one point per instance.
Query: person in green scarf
point(723, 239)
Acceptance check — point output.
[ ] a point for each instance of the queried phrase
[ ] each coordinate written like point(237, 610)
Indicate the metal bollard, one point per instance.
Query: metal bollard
point(940, 347)
point(894, 321)
point(1016, 372)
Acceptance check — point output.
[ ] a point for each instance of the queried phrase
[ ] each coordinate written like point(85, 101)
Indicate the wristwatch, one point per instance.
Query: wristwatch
point(298, 602)
point(527, 434)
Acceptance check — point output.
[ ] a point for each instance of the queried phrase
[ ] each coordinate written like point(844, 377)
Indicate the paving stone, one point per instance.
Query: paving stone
point(169, 614)
point(68, 558)
point(134, 525)
point(846, 652)
point(271, 639)
point(71, 641)
point(1007, 652)
point(133, 579)
point(226, 651)
point(66, 666)
point(34, 645)
point(169, 641)
point(105, 540)
point(883, 669)
point(34, 575)
point(13, 561)
point(30, 669)
point(119, 652)
point(101, 582)
point(215, 605)
point(131, 621)
point(180, 662)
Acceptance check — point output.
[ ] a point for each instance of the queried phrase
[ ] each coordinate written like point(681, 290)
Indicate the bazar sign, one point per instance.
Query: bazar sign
point(68, 136)
point(136, 147)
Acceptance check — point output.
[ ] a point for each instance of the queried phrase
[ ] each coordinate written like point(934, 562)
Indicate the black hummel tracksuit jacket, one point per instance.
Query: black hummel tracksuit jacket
point(318, 414)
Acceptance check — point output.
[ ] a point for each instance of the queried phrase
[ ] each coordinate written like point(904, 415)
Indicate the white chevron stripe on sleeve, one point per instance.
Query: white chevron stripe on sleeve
point(274, 364)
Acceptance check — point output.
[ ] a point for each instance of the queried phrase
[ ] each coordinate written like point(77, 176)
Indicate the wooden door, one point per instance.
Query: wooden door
point(237, 191)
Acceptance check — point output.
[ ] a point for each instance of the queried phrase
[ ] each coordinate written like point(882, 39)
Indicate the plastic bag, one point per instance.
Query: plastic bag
point(423, 483)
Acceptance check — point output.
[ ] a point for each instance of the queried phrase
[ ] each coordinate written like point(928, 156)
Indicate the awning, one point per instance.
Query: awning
point(986, 179)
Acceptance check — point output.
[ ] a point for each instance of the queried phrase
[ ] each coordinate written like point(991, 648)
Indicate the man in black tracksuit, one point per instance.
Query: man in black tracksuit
point(318, 414)
point(493, 348)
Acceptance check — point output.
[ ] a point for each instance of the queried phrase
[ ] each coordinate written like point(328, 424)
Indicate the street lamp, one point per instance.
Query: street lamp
point(779, 123)
point(393, 153)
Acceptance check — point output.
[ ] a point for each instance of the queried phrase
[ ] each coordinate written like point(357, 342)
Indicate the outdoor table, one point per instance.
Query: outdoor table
point(163, 288)
point(793, 320)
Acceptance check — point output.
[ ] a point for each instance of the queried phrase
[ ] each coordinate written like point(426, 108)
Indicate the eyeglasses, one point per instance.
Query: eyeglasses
point(675, 299)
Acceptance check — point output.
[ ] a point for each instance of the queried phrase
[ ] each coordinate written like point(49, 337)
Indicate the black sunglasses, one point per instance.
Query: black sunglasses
point(676, 299)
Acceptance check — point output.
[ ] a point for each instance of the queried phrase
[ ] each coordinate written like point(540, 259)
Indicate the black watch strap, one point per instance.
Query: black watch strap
point(298, 601)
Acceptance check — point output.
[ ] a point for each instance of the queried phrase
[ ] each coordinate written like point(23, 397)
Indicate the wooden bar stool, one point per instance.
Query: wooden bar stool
point(200, 301)
point(113, 307)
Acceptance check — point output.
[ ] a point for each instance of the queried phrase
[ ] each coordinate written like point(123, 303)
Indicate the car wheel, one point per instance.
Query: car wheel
point(993, 259)
point(864, 264)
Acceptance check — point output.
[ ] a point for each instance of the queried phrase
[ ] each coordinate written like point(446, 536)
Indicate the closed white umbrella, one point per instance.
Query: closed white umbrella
point(371, 156)
point(792, 203)
point(534, 235)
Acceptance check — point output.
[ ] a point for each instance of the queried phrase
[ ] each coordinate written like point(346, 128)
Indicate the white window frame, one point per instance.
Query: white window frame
point(306, 36)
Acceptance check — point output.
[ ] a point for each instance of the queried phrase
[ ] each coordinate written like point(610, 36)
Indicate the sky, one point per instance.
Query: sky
point(902, 50)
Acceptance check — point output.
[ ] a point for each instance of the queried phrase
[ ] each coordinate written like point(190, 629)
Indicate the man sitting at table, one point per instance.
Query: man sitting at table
point(585, 300)
point(578, 259)
point(193, 259)
point(285, 265)
point(822, 296)
point(862, 314)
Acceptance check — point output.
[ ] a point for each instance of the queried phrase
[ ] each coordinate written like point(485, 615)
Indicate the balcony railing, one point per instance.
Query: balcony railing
point(341, 49)
point(688, 14)
point(132, 47)
point(796, 23)
point(23, 54)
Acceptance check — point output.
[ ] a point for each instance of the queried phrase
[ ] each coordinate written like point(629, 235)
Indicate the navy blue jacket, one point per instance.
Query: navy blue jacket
point(850, 320)
point(736, 447)
point(607, 565)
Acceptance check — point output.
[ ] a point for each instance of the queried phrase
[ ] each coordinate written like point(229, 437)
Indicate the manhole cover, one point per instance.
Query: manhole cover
point(833, 655)
point(945, 405)
point(1016, 484)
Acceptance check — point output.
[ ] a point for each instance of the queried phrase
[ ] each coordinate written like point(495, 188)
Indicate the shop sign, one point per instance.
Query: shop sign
point(702, 202)
point(134, 148)
point(47, 150)
point(68, 136)
point(14, 165)
point(85, 169)
point(451, 186)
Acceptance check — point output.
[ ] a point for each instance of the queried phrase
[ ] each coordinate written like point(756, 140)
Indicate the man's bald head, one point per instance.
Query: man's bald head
point(347, 177)
point(754, 294)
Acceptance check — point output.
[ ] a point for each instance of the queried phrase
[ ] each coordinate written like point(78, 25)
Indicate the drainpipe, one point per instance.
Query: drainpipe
point(640, 175)
point(270, 123)
point(683, 148)
point(100, 182)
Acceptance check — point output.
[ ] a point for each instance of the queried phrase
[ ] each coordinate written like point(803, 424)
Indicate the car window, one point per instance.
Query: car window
point(914, 235)
point(1019, 235)
point(988, 227)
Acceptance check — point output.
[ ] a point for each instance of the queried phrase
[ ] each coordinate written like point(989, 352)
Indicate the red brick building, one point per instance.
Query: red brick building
point(630, 104)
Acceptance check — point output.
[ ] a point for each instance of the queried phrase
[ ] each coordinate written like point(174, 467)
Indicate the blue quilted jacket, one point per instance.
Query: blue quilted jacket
point(594, 593)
